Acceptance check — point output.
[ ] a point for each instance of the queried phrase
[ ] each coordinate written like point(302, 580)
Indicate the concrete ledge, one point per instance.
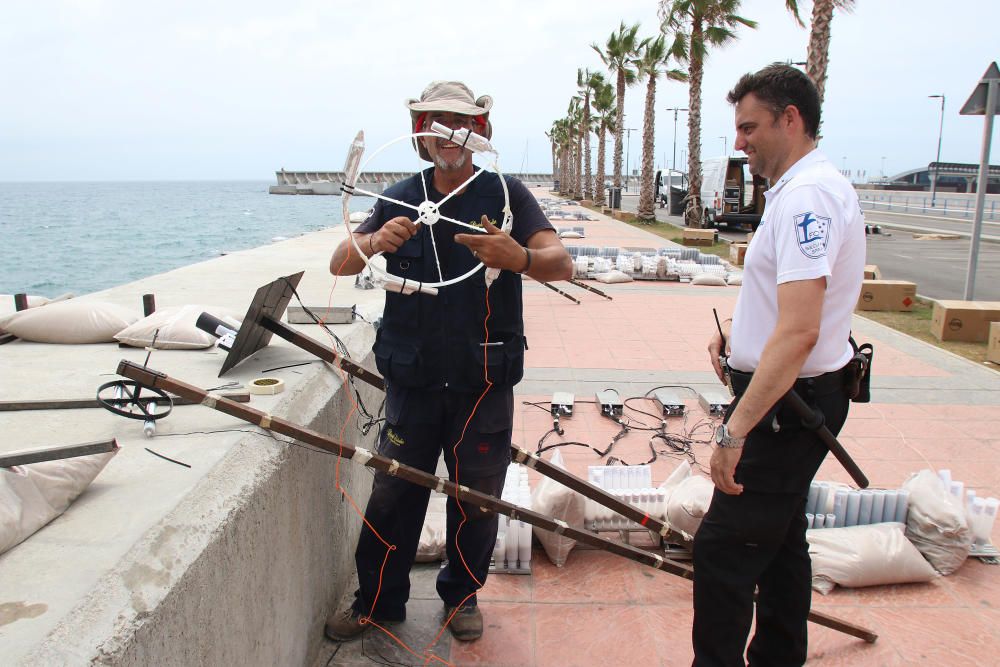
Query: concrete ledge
point(236, 560)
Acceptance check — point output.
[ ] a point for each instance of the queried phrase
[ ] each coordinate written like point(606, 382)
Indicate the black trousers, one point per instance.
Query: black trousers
point(419, 427)
point(756, 541)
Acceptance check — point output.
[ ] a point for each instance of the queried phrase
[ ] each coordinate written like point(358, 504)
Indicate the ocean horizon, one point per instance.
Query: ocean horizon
point(86, 236)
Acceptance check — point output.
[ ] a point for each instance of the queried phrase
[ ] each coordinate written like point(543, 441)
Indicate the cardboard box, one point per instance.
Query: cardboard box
point(897, 295)
point(749, 237)
point(699, 237)
point(964, 320)
point(872, 272)
point(737, 251)
point(993, 345)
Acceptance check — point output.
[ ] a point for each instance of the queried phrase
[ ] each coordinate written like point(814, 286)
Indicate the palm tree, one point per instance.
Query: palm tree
point(698, 24)
point(604, 116)
point(556, 136)
point(586, 82)
point(651, 63)
point(818, 55)
point(619, 52)
point(574, 114)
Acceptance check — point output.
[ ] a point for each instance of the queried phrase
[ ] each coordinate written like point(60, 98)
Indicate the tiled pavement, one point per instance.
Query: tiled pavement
point(929, 409)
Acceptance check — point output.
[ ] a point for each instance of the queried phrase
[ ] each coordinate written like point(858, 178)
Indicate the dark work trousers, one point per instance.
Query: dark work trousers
point(419, 426)
point(757, 540)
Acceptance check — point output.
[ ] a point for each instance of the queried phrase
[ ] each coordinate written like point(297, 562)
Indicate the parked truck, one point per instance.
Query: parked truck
point(729, 195)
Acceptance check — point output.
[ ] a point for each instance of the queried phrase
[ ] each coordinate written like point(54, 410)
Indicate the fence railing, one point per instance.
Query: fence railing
point(960, 209)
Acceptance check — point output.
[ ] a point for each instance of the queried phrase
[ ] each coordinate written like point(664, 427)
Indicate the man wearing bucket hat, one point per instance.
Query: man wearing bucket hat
point(450, 361)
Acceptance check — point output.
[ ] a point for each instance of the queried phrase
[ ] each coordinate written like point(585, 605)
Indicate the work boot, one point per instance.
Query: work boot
point(345, 625)
point(467, 624)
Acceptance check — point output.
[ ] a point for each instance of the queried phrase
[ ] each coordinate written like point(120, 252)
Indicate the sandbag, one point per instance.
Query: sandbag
point(175, 328)
point(71, 322)
point(871, 555)
point(710, 279)
point(612, 277)
point(688, 501)
point(559, 502)
point(32, 495)
point(936, 523)
point(434, 532)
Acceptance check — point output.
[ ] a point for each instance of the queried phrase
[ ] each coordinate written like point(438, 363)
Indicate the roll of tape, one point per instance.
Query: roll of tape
point(267, 386)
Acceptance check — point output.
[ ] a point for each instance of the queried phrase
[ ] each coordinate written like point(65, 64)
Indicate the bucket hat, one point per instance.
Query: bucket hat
point(452, 96)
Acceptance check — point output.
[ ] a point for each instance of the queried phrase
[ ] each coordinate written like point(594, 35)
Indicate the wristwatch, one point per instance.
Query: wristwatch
point(724, 439)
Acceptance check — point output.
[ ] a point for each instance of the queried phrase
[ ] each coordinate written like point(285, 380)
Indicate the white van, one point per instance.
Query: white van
point(729, 195)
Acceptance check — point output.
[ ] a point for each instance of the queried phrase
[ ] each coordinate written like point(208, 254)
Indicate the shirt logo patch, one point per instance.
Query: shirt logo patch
point(813, 234)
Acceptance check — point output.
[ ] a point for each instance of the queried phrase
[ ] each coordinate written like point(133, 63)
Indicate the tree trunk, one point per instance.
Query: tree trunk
point(588, 192)
point(818, 56)
point(578, 181)
point(693, 212)
point(619, 128)
point(599, 179)
point(647, 195)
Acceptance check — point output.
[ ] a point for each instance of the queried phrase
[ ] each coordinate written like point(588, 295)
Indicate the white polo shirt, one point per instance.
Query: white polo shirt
point(812, 227)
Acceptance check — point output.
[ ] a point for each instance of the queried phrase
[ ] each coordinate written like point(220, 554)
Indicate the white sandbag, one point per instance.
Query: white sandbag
point(735, 279)
point(935, 523)
point(8, 307)
point(570, 234)
point(175, 328)
point(688, 503)
point(71, 322)
point(559, 502)
point(869, 555)
point(434, 532)
point(612, 277)
point(710, 279)
point(32, 495)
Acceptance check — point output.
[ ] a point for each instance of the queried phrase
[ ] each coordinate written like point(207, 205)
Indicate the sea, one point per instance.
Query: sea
point(81, 237)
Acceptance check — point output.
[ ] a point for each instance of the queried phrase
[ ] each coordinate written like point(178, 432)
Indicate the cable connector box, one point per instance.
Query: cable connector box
point(562, 404)
point(611, 404)
point(714, 401)
point(670, 402)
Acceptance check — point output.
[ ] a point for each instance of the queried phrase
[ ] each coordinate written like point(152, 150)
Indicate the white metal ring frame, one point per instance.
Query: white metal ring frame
point(428, 212)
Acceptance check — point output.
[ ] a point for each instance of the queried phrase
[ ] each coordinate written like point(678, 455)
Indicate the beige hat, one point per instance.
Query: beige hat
point(453, 96)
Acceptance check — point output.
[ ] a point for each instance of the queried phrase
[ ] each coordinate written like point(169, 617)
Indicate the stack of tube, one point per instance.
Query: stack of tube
point(630, 484)
point(512, 550)
point(981, 513)
point(830, 506)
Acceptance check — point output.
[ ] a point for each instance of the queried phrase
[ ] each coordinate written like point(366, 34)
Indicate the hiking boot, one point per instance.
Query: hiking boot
point(467, 624)
point(345, 625)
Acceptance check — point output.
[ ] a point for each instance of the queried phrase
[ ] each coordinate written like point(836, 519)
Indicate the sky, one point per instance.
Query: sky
point(106, 90)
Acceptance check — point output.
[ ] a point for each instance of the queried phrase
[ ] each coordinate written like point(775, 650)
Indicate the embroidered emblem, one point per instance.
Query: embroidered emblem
point(813, 234)
point(394, 438)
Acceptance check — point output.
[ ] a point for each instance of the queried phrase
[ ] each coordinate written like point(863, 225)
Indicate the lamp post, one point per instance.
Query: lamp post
point(937, 165)
point(883, 167)
point(725, 145)
point(673, 163)
point(628, 143)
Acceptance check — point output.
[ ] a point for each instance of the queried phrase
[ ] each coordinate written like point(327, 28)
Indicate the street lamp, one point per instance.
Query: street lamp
point(725, 145)
point(628, 143)
point(937, 165)
point(883, 167)
point(673, 162)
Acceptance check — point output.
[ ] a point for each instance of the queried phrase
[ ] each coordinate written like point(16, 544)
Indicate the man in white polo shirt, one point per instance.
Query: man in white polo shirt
point(791, 328)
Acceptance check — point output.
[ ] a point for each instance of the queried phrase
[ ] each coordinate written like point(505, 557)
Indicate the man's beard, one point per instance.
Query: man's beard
point(444, 165)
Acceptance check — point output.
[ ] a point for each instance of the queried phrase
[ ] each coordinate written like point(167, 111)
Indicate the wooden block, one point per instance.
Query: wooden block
point(993, 344)
point(699, 237)
point(737, 252)
point(872, 272)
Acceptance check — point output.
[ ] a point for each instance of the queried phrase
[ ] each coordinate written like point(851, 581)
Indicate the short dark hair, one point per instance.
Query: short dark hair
point(779, 85)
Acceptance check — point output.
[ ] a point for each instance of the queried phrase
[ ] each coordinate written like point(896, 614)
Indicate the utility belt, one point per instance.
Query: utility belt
point(854, 379)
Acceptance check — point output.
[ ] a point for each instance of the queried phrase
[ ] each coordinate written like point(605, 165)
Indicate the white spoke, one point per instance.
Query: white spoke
point(437, 260)
point(366, 193)
point(463, 224)
point(460, 187)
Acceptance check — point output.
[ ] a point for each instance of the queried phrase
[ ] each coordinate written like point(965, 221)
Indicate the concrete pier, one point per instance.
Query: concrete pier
point(329, 182)
point(236, 560)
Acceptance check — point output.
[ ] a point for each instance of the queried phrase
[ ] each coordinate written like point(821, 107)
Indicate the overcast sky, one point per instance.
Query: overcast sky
point(127, 90)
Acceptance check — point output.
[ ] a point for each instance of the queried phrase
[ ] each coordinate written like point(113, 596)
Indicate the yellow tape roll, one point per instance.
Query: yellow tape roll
point(267, 386)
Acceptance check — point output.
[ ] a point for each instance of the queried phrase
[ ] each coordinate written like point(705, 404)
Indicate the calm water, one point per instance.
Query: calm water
point(84, 237)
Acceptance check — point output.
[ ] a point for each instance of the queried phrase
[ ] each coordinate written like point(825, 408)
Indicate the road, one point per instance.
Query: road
point(937, 267)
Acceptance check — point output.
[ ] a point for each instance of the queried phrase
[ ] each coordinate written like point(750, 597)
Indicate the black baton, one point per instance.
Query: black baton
point(814, 421)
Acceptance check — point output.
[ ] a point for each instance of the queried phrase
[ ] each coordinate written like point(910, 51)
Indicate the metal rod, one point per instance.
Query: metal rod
point(154, 379)
point(148, 304)
point(981, 186)
point(20, 302)
point(556, 289)
point(26, 457)
point(571, 281)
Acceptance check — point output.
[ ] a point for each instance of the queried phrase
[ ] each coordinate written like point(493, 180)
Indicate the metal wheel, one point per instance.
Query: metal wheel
point(125, 398)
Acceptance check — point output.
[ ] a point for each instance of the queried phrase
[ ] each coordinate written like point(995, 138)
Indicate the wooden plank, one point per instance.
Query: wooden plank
point(80, 403)
point(327, 315)
point(28, 456)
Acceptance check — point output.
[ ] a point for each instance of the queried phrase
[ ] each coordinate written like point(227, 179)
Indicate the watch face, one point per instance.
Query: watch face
point(720, 434)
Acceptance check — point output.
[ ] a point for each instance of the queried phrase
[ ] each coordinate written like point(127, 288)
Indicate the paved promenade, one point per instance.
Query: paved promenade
point(929, 408)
